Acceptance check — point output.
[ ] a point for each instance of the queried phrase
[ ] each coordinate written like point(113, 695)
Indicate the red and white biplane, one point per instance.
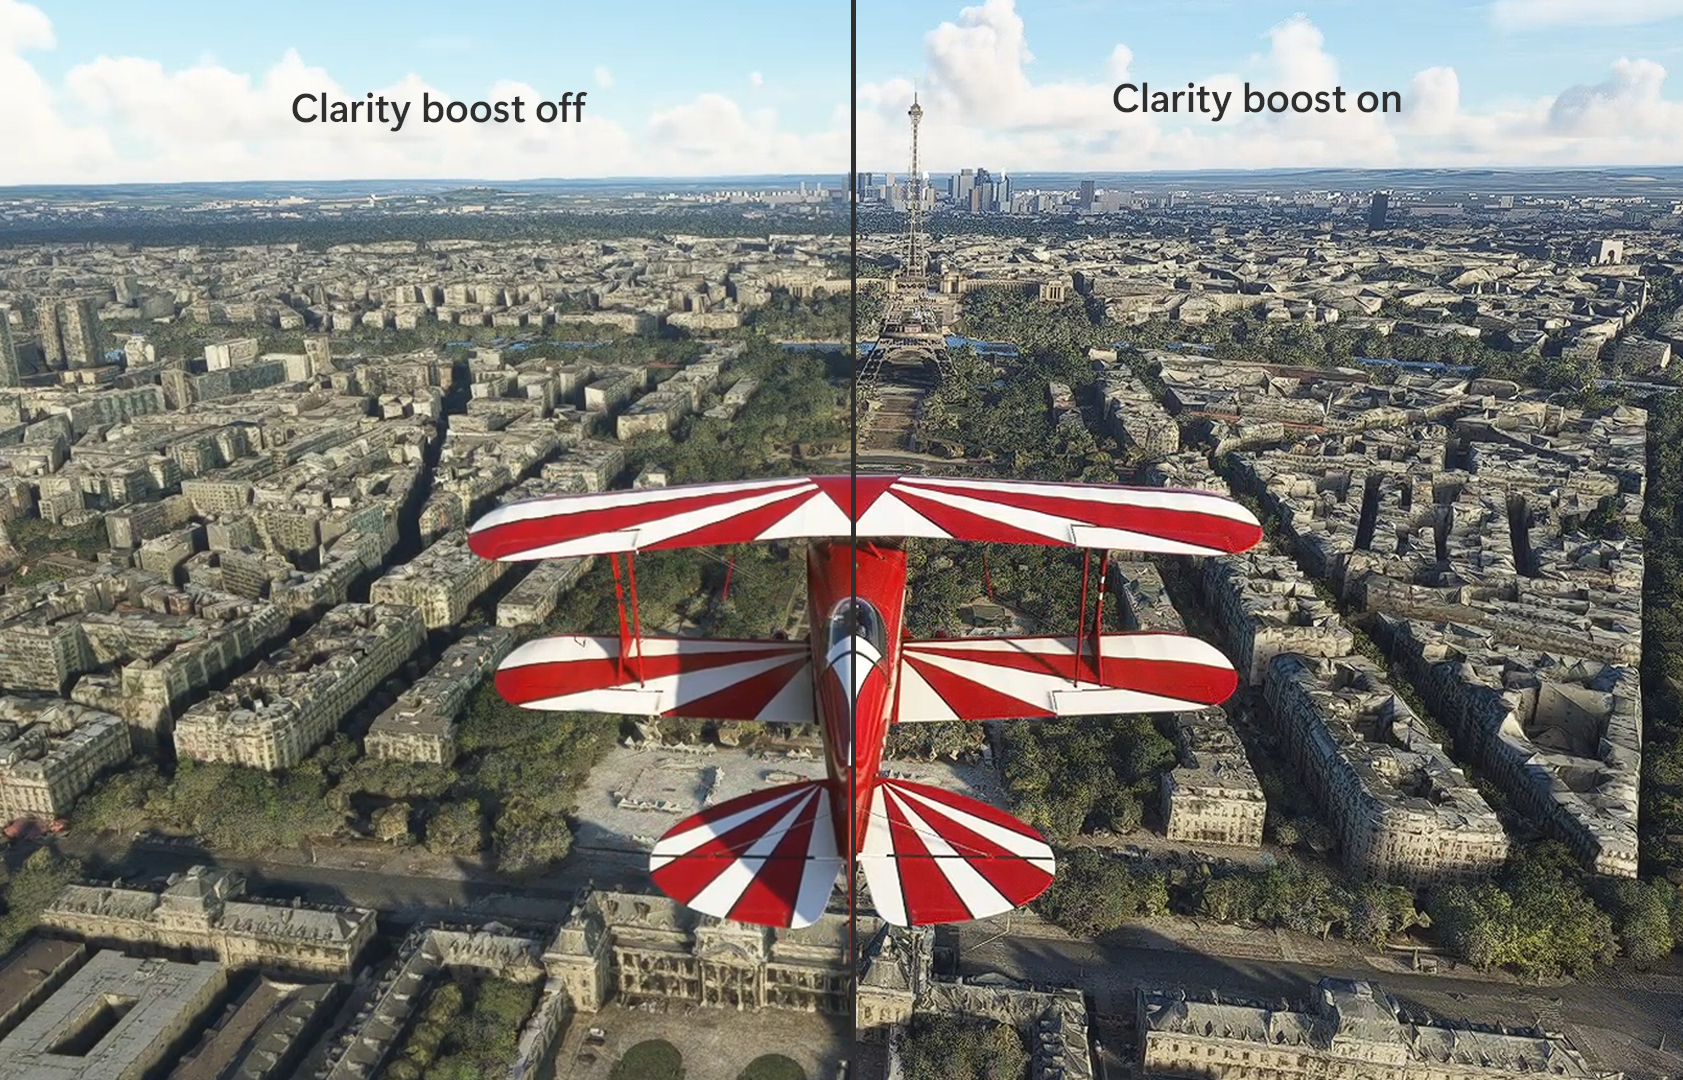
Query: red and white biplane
point(928, 855)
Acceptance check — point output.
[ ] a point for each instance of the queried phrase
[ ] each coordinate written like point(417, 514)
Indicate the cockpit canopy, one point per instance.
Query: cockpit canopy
point(854, 617)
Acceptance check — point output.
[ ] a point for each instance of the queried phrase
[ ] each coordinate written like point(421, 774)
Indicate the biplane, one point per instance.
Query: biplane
point(927, 855)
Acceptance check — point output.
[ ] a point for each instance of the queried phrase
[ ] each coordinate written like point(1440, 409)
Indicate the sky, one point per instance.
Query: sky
point(1027, 85)
point(181, 90)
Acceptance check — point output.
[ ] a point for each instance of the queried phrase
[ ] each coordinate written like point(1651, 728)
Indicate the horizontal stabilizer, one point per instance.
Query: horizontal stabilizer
point(1002, 678)
point(1152, 519)
point(932, 856)
point(697, 678)
point(767, 858)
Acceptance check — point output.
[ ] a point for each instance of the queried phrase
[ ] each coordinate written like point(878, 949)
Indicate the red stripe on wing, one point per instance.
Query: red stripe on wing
point(1184, 680)
point(770, 885)
point(1107, 507)
point(770, 896)
point(970, 525)
point(969, 699)
point(689, 873)
point(555, 678)
point(629, 509)
point(746, 699)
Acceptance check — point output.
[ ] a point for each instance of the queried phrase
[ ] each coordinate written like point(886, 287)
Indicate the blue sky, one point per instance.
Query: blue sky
point(195, 90)
point(1378, 43)
point(1025, 84)
point(660, 53)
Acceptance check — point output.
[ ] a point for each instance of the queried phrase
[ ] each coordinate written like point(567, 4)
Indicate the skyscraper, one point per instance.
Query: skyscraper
point(1088, 188)
point(1376, 210)
point(71, 336)
point(11, 370)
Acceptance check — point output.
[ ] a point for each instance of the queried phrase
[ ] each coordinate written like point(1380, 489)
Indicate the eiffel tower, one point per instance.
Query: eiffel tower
point(911, 344)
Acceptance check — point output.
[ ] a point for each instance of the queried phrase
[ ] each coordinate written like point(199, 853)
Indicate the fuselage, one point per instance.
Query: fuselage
point(856, 633)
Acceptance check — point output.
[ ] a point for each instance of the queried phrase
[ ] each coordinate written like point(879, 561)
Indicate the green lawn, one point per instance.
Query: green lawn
point(772, 1067)
point(655, 1059)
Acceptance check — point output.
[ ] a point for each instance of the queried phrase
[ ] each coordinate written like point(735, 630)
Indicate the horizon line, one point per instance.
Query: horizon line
point(837, 178)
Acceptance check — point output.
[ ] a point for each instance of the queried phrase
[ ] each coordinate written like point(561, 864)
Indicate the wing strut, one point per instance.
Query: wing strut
point(1081, 619)
point(636, 619)
point(1098, 616)
point(635, 629)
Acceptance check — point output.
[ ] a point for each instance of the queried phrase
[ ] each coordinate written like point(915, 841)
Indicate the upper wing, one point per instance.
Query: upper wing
point(701, 679)
point(1003, 678)
point(1159, 520)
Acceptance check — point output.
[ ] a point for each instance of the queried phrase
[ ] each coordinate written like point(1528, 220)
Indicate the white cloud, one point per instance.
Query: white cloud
point(1628, 102)
point(756, 80)
point(130, 119)
point(1550, 14)
point(983, 106)
point(23, 26)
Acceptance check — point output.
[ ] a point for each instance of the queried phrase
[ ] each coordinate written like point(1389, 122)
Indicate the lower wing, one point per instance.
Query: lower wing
point(1004, 678)
point(770, 681)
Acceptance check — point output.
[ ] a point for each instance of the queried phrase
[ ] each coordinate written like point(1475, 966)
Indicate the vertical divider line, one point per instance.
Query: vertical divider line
point(851, 866)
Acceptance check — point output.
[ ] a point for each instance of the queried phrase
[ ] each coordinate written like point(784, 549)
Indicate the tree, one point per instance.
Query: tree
point(1642, 914)
point(391, 823)
point(1537, 919)
point(456, 829)
point(961, 1048)
point(529, 839)
point(1093, 895)
point(36, 884)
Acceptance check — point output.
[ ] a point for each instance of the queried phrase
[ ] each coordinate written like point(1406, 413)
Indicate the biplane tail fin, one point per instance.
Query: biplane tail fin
point(933, 856)
point(1004, 678)
point(768, 857)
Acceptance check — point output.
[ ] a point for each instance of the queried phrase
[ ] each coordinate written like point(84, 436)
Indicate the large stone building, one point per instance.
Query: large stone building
point(533, 600)
point(51, 752)
point(1349, 1029)
point(131, 643)
point(641, 948)
point(1266, 608)
point(1133, 417)
point(202, 912)
point(897, 983)
point(441, 582)
point(425, 954)
point(1402, 810)
point(274, 715)
point(118, 1018)
point(1212, 795)
point(1561, 734)
point(1490, 535)
point(421, 724)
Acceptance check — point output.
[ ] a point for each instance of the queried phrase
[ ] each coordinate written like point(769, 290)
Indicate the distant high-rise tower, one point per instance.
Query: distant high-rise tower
point(1088, 189)
point(71, 336)
point(915, 274)
point(1376, 209)
point(11, 368)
